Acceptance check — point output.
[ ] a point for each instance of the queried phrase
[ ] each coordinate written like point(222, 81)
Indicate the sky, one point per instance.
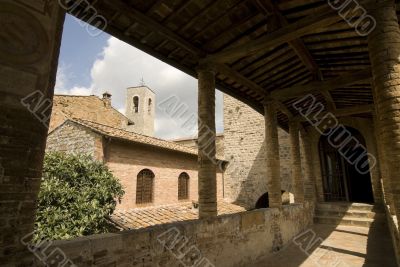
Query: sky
point(91, 65)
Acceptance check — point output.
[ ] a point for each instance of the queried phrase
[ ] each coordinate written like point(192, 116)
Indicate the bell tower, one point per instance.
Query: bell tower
point(140, 108)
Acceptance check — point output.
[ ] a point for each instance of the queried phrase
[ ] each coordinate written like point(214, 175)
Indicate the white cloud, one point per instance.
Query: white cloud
point(121, 66)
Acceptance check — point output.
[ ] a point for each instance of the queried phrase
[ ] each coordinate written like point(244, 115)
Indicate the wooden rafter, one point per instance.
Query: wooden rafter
point(224, 69)
point(319, 86)
point(178, 11)
point(199, 16)
point(285, 34)
point(154, 7)
point(343, 112)
point(158, 27)
point(218, 20)
point(299, 48)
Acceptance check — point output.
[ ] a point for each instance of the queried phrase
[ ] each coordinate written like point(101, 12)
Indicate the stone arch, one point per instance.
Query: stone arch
point(344, 165)
point(145, 187)
point(366, 128)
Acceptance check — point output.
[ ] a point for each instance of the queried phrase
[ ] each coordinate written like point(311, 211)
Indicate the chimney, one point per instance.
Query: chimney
point(107, 99)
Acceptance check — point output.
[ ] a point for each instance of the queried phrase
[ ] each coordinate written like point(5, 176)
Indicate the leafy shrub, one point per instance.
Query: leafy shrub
point(77, 195)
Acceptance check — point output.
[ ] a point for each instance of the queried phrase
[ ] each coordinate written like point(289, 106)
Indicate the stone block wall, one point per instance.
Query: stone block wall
point(72, 138)
point(244, 133)
point(192, 143)
point(127, 160)
point(240, 239)
point(144, 118)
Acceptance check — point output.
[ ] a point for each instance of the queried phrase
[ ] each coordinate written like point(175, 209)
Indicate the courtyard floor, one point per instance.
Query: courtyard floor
point(342, 246)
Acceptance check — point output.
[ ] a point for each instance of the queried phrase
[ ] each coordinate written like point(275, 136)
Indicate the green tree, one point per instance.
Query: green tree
point(77, 195)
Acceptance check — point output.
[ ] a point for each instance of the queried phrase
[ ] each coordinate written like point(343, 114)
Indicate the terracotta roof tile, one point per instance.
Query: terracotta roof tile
point(144, 217)
point(131, 136)
point(119, 133)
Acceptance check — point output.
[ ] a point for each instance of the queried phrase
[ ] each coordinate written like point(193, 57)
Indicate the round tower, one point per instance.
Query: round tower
point(140, 102)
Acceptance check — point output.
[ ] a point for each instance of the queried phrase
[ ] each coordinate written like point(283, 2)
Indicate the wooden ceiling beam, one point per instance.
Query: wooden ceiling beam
point(194, 19)
point(326, 17)
point(177, 12)
point(236, 76)
point(300, 49)
point(343, 112)
point(296, 44)
point(158, 27)
point(226, 71)
point(154, 7)
point(211, 24)
point(319, 86)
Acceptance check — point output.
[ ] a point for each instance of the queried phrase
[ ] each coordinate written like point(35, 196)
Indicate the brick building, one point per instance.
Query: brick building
point(152, 171)
point(90, 125)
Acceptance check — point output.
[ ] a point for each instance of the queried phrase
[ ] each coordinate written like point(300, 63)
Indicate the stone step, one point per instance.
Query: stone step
point(348, 213)
point(347, 220)
point(348, 207)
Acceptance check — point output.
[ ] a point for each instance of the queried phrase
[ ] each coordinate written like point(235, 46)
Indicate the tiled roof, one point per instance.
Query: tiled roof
point(118, 133)
point(89, 107)
point(218, 135)
point(145, 217)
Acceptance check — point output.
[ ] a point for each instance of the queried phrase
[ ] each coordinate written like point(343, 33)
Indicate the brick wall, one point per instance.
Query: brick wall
point(126, 160)
point(72, 138)
point(31, 37)
point(239, 239)
point(244, 148)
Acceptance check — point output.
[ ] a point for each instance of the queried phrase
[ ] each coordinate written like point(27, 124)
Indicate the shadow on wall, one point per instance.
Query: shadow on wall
point(263, 201)
point(252, 189)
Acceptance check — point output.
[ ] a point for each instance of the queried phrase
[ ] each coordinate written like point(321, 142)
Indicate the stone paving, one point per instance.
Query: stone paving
point(342, 246)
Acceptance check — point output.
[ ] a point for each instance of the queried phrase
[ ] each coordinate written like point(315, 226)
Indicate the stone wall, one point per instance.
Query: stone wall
point(126, 160)
point(72, 138)
point(249, 236)
point(192, 143)
point(244, 133)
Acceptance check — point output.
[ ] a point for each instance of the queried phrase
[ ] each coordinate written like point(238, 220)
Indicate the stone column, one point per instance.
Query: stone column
point(206, 142)
point(381, 162)
point(297, 179)
point(384, 51)
point(28, 67)
point(272, 155)
point(309, 176)
point(374, 157)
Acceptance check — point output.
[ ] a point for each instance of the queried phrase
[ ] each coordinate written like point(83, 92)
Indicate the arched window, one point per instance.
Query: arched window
point(136, 104)
point(149, 106)
point(183, 186)
point(144, 187)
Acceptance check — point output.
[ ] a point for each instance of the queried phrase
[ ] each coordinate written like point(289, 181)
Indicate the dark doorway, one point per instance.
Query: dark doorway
point(342, 152)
